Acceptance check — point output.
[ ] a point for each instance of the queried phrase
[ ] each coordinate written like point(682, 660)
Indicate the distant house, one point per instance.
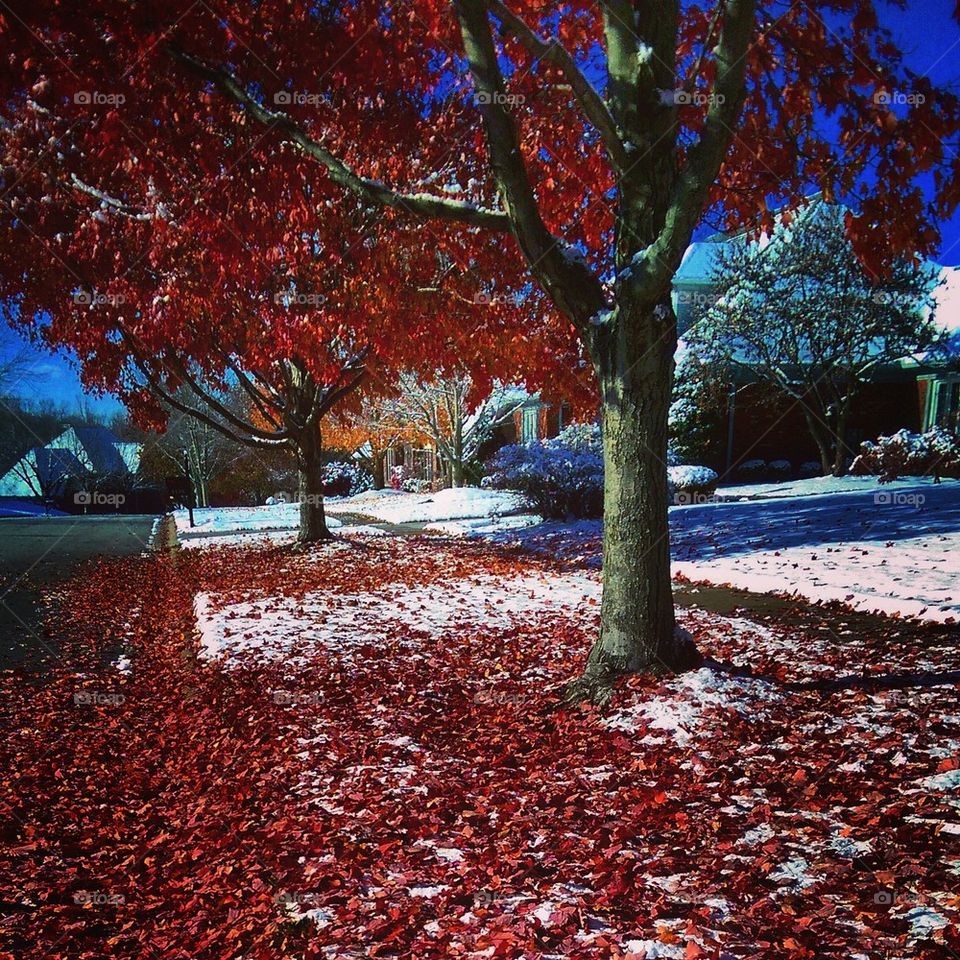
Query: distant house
point(915, 393)
point(80, 458)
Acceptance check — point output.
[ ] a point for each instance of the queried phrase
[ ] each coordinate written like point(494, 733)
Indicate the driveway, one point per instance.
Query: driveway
point(35, 552)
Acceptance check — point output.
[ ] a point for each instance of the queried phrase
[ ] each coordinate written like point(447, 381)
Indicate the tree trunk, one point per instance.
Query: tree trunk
point(456, 472)
point(840, 439)
point(313, 522)
point(823, 445)
point(377, 469)
point(638, 632)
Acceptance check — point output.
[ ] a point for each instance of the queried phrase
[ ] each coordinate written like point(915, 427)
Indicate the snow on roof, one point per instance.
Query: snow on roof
point(946, 298)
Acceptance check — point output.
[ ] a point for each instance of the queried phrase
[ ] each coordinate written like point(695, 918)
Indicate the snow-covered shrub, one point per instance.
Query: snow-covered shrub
point(343, 479)
point(688, 484)
point(780, 468)
point(908, 454)
point(416, 485)
point(558, 481)
point(811, 468)
point(752, 470)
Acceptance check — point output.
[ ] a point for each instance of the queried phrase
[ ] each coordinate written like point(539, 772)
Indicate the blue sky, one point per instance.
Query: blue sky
point(925, 31)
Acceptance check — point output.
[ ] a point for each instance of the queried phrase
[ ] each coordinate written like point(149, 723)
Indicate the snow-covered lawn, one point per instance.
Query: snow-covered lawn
point(892, 548)
point(816, 486)
point(452, 504)
point(700, 813)
point(386, 506)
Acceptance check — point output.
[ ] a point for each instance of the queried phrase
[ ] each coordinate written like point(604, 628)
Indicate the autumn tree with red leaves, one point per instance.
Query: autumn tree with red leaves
point(586, 142)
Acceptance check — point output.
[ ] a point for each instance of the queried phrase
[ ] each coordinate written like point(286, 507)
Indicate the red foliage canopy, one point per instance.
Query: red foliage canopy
point(172, 163)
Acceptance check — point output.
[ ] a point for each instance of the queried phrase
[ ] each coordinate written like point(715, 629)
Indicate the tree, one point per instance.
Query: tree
point(368, 431)
point(797, 310)
point(480, 122)
point(446, 411)
point(188, 443)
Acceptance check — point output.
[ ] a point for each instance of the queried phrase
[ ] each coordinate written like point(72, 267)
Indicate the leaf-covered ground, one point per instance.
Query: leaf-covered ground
point(361, 752)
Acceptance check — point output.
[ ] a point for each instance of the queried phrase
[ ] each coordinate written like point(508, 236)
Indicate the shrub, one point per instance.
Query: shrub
point(752, 470)
point(689, 484)
point(342, 479)
point(811, 468)
point(907, 454)
point(558, 481)
point(780, 468)
point(563, 477)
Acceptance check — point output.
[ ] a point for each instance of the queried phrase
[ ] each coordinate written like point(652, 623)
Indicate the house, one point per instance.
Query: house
point(79, 459)
point(916, 393)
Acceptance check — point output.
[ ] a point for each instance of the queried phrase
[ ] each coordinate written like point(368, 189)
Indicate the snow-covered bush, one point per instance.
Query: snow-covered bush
point(557, 479)
point(563, 477)
point(780, 468)
point(811, 468)
point(752, 470)
point(415, 485)
point(908, 454)
point(343, 479)
point(688, 484)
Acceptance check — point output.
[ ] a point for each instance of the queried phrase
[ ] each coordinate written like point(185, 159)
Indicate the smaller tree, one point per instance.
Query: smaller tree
point(368, 430)
point(447, 412)
point(798, 310)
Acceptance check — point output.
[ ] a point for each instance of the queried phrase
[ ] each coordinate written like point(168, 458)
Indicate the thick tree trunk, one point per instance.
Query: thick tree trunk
point(456, 473)
point(313, 522)
point(638, 632)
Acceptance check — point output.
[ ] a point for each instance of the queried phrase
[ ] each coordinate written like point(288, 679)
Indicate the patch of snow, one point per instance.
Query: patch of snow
point(456, 503)
point(279, 626)
point(793, 873)
point(924, 922)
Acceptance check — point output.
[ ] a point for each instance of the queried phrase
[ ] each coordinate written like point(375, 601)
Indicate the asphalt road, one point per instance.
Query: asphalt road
point(35, 552)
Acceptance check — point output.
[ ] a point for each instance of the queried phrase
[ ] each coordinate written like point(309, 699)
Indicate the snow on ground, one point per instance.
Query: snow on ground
point(222, 520)
point(817, 486)
point(280, 627)
point(894, 550)
point(385, 506)
point(450, 504)
point(749, 797)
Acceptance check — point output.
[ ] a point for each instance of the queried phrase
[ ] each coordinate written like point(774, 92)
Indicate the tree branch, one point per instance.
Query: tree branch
point(419, 205)
point(552, 51)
